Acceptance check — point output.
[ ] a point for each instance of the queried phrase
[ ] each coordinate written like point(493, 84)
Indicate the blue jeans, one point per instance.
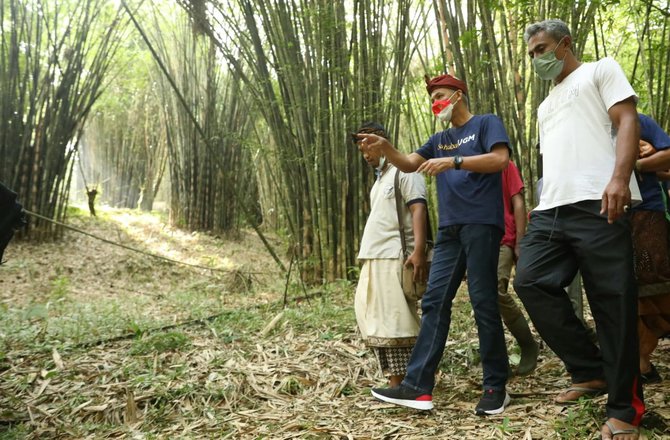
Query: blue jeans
point(461, 247)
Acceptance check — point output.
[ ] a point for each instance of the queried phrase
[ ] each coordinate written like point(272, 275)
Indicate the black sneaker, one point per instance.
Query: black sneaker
point(492, 402)
point(404, 396)
point(651, 376)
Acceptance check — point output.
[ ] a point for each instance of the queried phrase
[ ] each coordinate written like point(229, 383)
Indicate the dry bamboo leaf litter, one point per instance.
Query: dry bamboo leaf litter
point(288, 383)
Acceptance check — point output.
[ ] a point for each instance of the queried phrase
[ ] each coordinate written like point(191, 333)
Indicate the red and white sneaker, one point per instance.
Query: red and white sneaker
point(404, 396)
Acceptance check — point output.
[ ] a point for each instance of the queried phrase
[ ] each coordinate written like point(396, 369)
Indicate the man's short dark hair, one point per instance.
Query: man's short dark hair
point(374, 128)
point(554, 27)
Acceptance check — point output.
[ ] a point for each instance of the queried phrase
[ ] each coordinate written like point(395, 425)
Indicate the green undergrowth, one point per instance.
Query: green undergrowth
point(61, 318)
point(161, 363)
point(161, 343)
point(581, 421)
point(17, 432)
point(74, 211)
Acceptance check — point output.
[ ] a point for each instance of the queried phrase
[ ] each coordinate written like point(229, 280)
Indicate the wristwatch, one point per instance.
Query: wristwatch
point(458, 161)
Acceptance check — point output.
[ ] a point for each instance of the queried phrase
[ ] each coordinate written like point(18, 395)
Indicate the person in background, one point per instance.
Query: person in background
point(589, 134)
point(388, 321)
point(466, 159)
point(650, 244)
point(12, 217)
point(515, 228)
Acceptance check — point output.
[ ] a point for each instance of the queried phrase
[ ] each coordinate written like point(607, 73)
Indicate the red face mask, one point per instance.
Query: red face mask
point(440, 105)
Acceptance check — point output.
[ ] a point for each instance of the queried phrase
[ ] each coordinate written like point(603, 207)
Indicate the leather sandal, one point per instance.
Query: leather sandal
point(614, 431)
point(585, 392)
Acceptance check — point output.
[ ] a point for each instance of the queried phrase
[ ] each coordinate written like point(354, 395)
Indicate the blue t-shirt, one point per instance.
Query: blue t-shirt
point(466, 197)
point(652, 199)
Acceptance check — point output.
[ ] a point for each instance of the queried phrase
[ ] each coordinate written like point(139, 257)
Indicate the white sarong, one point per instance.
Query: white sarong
point(384, 315)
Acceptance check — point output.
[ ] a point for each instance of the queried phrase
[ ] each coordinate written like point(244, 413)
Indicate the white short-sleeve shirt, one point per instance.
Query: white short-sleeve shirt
point(577, 140)
point(381, 236)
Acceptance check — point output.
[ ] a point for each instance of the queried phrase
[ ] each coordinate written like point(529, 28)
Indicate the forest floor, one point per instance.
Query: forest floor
point(100, 342)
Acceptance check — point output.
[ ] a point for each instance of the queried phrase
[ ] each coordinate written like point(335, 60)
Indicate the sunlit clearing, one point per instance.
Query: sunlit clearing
point(145, 231)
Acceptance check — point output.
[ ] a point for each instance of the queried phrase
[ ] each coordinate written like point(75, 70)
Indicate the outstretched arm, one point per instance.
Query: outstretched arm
point(491, 162)
point(407, 163)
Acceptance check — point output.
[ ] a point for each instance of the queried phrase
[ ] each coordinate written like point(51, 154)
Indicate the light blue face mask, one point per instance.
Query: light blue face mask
point(547, 66)
point(382, 162)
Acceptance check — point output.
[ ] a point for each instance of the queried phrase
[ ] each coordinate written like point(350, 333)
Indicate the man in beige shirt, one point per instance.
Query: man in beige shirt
point(385, 312)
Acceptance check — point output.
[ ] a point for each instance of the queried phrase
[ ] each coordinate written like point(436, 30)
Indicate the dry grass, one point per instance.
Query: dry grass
point(251, 371)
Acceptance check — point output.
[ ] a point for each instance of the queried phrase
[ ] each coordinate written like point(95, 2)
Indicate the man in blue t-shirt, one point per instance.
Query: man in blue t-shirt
point(654, 156)
point(650, 245)
point(467, 160)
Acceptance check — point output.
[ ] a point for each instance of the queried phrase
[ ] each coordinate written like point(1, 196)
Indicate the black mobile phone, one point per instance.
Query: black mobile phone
point(354, 137)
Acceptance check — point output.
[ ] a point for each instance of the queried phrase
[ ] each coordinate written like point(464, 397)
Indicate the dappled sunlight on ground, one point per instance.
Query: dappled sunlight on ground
point(93, 269)
point(155, 236)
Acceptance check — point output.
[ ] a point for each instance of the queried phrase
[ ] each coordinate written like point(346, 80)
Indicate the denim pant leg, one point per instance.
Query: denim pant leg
point(481, 245)
point(446, 274)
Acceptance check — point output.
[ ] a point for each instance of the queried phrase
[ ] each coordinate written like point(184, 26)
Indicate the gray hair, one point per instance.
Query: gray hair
point(554, 27)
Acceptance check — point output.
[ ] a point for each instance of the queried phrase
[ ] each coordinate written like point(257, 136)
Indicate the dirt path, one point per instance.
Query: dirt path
point(240, 366)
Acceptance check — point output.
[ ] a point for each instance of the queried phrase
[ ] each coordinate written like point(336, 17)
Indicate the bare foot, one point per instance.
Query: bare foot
point(623, 430)
point(591, 388)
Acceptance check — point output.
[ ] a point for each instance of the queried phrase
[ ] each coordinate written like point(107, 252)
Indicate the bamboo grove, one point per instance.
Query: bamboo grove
point(53, 60)
point(240, 109)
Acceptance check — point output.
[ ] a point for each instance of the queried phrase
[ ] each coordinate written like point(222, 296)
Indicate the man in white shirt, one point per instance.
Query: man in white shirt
point(589, 134)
